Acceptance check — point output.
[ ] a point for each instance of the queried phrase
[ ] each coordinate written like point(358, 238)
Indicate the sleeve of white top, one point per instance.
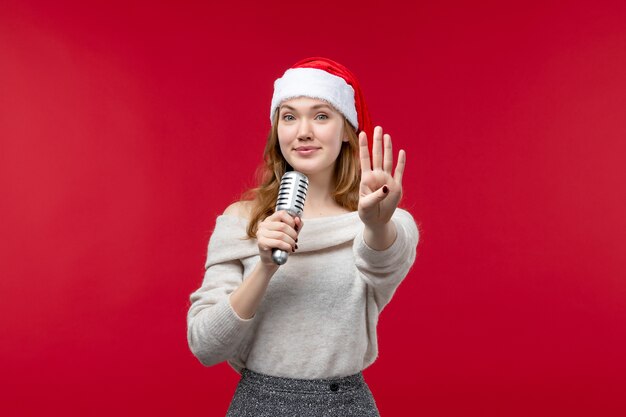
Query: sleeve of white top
point(214, 330)
point(384, 270)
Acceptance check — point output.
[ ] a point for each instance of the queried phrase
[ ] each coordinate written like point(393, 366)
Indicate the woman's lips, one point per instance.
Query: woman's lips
point(306, 150)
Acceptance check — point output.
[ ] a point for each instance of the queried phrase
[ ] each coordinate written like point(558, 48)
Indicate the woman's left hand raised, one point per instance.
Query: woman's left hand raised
point(379, 192)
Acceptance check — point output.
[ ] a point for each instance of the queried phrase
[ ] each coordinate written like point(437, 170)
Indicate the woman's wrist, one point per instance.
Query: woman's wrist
point(247, 297)
point(267, 269)
point(380, 237)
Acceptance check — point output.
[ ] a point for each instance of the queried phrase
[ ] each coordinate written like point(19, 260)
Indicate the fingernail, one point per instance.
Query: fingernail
point(296, 228)
point(385, 189)
point(296, 239)
point(296, 246)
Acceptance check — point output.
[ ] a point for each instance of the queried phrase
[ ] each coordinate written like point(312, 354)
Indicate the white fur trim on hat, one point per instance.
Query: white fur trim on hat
point(315, 83)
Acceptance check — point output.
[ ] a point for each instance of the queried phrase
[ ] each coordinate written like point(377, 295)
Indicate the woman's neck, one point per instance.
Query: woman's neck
point(319, 201)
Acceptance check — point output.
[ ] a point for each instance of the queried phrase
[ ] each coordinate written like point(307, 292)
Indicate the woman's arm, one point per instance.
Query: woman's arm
point(380, 191)
point(382, 237)
point(386, 249)
point(246, 298)
point(383, 270)
point(279, 231)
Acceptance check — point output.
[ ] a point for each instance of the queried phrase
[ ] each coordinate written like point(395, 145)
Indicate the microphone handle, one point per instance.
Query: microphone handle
point(280, 256)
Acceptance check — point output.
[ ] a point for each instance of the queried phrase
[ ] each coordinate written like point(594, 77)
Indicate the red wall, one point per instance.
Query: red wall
point(125, 129)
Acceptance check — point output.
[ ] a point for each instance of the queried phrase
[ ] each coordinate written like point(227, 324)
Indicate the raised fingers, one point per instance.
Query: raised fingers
point(380, 160)
point(400, 167)
point(377, 148)
point(364, 153)
point(388, 159)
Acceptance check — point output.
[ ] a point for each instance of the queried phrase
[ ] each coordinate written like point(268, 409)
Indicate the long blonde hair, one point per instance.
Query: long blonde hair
point(263, 197)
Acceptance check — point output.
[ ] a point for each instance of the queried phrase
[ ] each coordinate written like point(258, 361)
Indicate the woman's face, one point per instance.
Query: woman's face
point(310, 133)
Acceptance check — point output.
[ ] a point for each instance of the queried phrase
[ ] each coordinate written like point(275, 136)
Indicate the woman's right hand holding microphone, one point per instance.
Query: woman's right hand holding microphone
point(278, 231)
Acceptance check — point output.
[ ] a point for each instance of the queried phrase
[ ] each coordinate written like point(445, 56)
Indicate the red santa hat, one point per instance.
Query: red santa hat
point(324, 79)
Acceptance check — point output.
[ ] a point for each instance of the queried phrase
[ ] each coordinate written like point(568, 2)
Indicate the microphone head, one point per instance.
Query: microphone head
point(292, 193)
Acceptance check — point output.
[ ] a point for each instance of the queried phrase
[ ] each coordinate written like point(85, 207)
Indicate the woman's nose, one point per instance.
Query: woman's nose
point(305, 130)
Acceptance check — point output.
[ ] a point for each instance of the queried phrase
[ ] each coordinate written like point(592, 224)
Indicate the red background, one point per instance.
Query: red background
point(126, 128)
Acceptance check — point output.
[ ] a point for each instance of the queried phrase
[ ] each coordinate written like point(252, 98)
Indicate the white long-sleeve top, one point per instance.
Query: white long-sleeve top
point(319, 314)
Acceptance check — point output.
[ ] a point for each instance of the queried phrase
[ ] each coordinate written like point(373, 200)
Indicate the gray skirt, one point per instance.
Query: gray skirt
point(262, 395)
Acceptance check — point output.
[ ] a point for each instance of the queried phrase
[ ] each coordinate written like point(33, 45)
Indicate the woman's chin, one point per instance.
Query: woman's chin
point(304, 167)
point(304, 170)
point(310, 166)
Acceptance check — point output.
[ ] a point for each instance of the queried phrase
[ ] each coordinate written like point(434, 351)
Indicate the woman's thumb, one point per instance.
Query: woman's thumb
point(376, 197)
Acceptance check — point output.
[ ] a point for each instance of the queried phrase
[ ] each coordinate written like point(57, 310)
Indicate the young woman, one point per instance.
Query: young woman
point(300, 334)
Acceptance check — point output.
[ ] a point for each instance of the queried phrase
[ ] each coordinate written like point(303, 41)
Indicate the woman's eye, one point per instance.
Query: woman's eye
point(323, 116)
point(288, 117)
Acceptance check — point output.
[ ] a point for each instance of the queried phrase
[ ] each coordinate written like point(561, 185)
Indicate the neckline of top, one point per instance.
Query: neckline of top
point(305, 219)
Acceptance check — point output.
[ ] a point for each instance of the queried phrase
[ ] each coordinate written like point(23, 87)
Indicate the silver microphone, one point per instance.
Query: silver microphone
point(291, 195)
